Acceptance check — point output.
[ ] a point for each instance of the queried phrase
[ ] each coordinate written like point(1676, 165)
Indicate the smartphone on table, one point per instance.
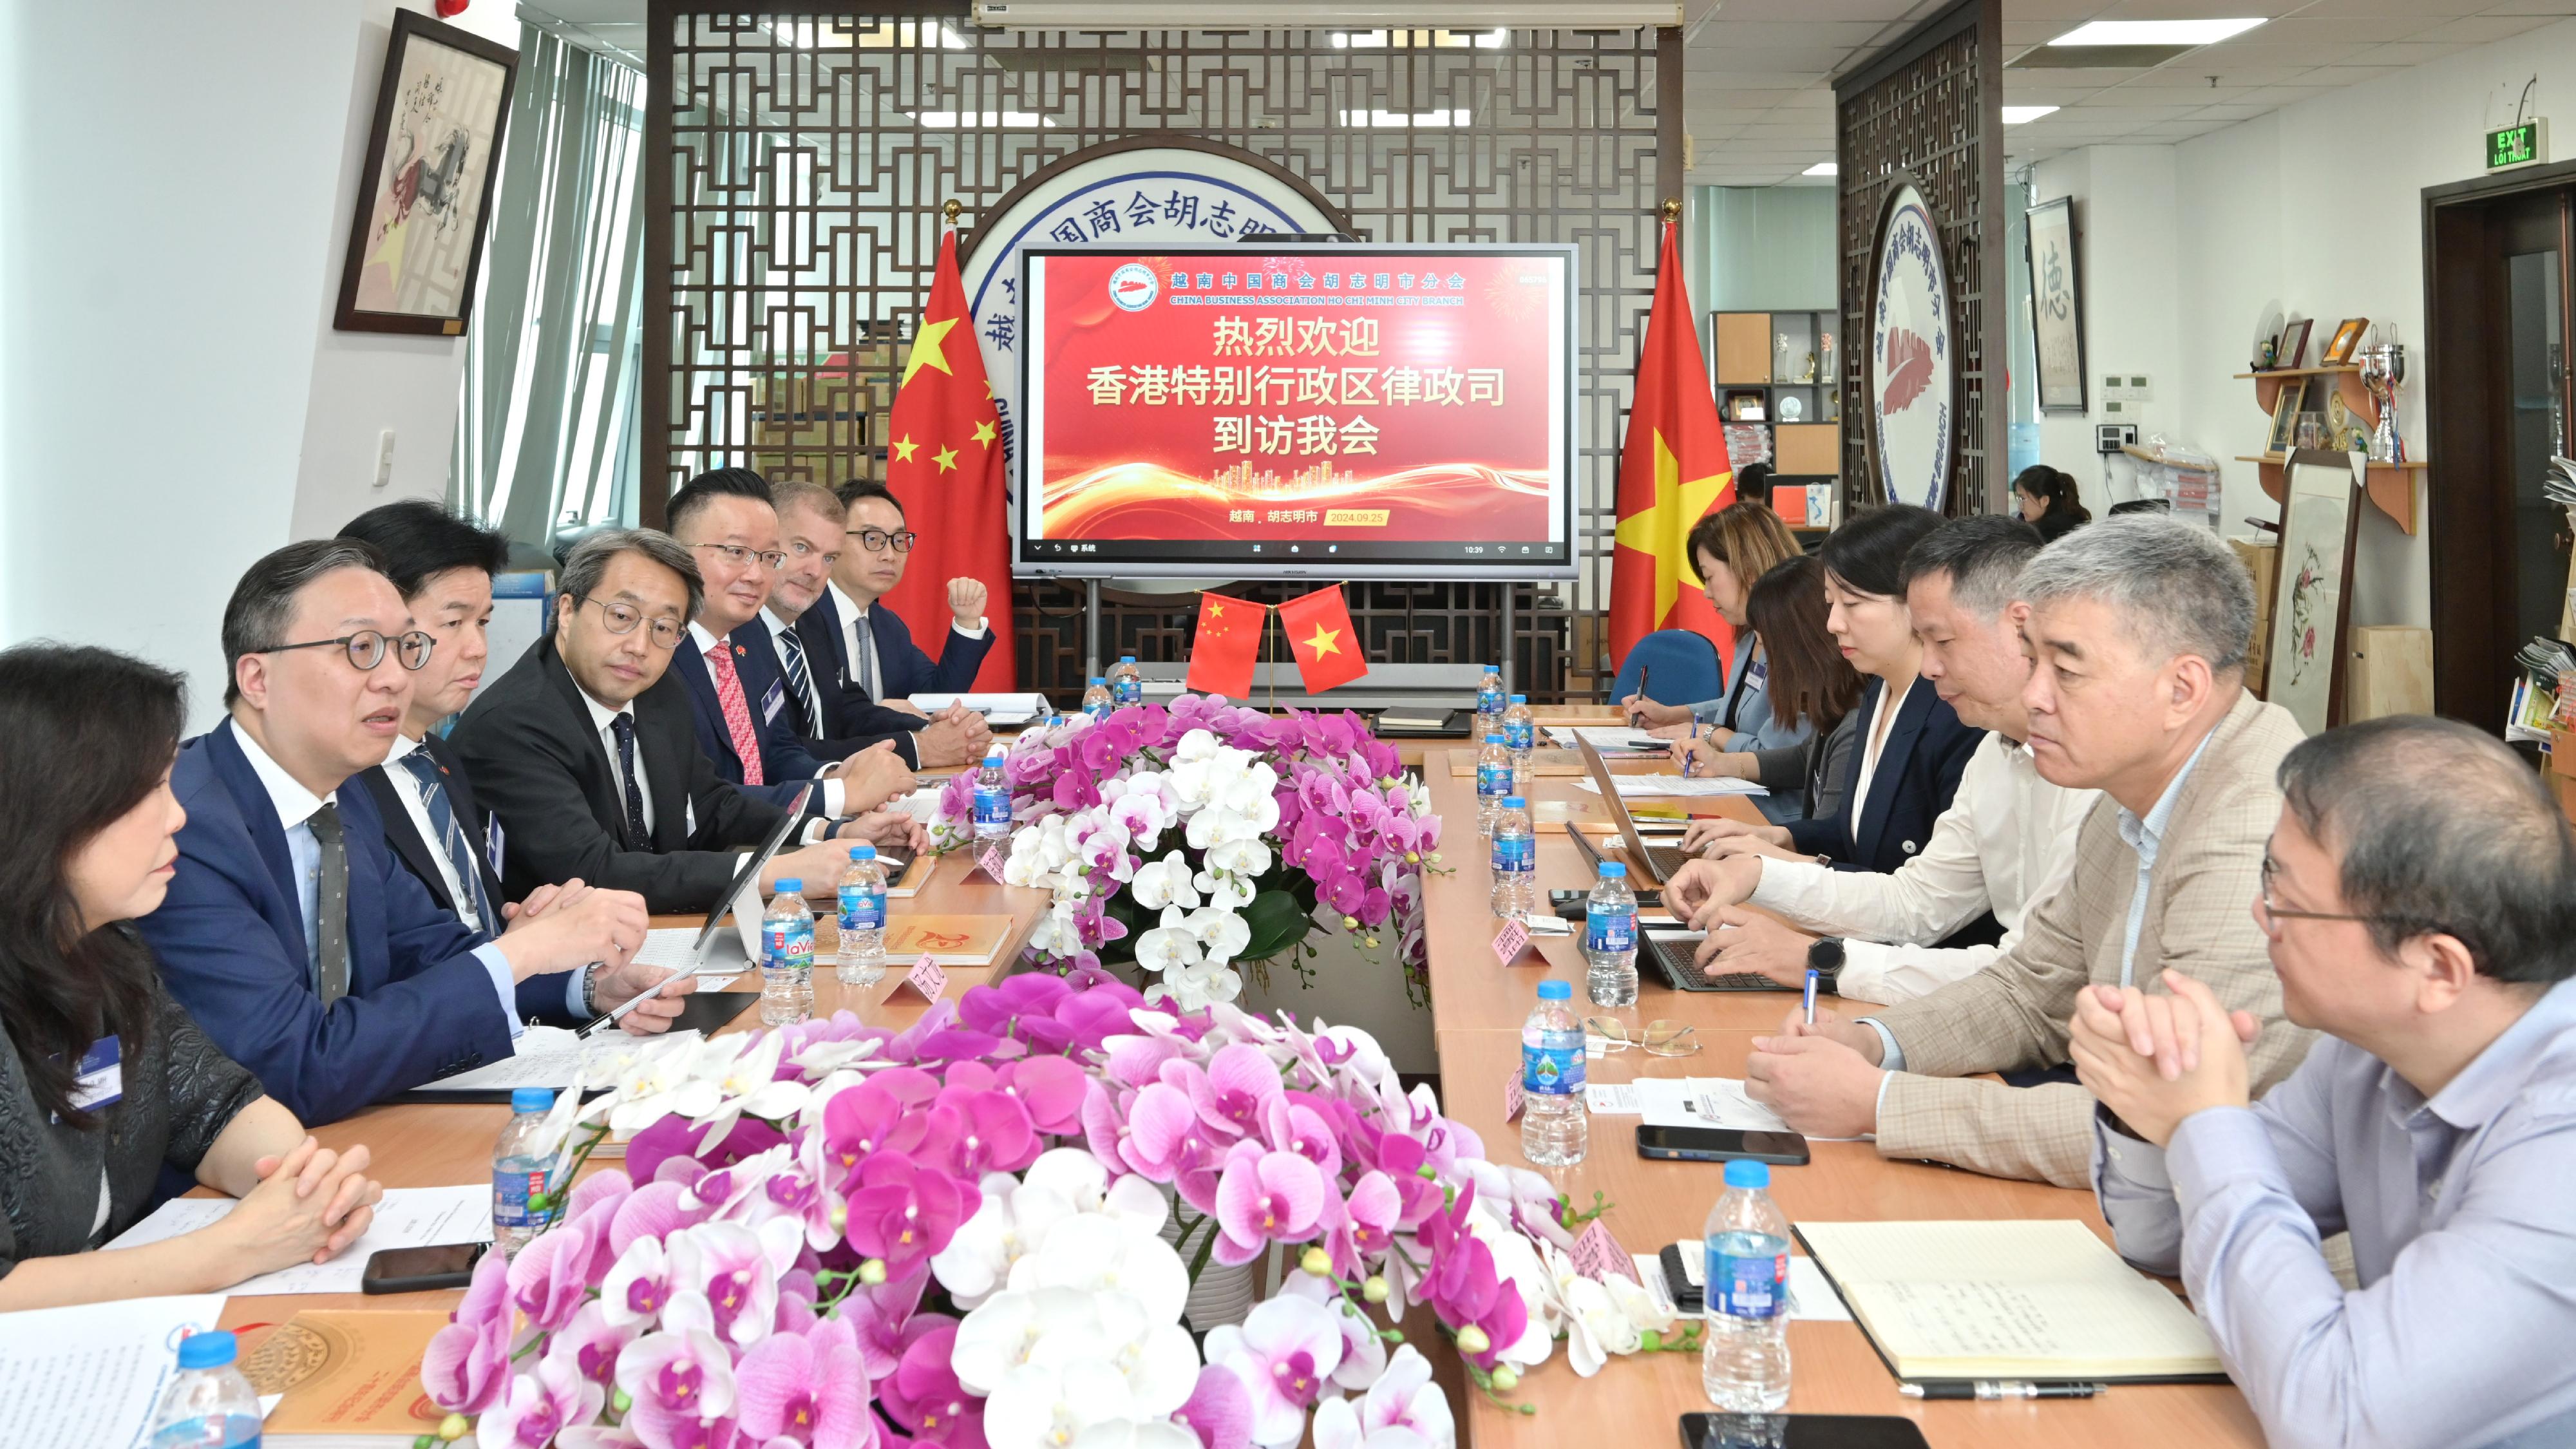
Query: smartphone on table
point(1721, 1144)
point(418, 1270)
point(1800, 1431)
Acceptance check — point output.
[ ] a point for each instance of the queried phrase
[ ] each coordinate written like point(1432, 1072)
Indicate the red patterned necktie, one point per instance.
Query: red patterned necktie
point(737, 711)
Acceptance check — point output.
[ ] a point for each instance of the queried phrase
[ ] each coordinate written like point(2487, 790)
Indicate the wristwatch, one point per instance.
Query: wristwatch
point(1825, 954)
point(590, 989)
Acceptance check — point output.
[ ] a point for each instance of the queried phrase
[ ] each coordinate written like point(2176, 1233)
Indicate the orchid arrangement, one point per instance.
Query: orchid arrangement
point(1194, 837)
point(836, 1236)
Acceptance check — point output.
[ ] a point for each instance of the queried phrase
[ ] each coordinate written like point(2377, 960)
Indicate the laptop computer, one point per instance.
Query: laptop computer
point(711, 950)
point(1671, 951)
point(1659, 862)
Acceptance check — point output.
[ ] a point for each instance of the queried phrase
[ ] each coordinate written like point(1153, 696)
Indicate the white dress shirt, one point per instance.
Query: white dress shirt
point(295, 807)
point(708, 645)
point(858, 642)
point(407, 787)
point(2005, 843)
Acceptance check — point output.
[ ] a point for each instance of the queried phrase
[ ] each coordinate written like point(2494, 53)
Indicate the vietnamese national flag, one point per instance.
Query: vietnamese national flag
point(1673, 468)
point(1225, 645)
point(944, 461)
point(1321, 636)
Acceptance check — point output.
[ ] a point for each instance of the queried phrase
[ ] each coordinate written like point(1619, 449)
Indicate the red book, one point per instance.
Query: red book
point(1228, 640)
point(1321, 636)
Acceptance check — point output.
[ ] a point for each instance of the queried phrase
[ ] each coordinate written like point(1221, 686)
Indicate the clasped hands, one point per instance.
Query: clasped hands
point(309, 1206)
point(2155, 1060)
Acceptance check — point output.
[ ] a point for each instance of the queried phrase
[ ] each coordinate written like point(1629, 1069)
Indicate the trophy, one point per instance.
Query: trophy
point(2382, 368)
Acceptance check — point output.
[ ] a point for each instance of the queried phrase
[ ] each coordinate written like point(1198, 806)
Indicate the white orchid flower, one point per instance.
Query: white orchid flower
point(1165, 882)
point(1221, 933)
point(1135, 1434)
point(1242, 856)
point(1001, 1333)
point(1013, 1219)
point(1159, 1360)
point(1196, 986)
point(1048, 1406)
point(1168, 947)
point(1095, 1253)
point(750, 1087)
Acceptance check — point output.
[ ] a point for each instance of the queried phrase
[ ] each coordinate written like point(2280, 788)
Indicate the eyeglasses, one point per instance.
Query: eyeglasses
point(2273, 915)
point(772, 560)
point(366, 648)
point(874, 540)
point(622, 619)
point(1659, 1038)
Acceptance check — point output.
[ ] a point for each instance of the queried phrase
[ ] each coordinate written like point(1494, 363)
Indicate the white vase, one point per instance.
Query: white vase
point(1222, 1293)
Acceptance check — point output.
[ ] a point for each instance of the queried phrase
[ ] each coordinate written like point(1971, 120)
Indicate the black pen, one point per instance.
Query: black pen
point(1998, 1389)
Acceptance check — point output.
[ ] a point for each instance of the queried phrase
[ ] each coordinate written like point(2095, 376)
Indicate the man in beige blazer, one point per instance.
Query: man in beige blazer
point(2138, 631)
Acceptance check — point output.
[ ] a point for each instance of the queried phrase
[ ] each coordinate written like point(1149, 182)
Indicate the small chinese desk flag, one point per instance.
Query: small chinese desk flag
point(1227, 641)
point(1321, 636)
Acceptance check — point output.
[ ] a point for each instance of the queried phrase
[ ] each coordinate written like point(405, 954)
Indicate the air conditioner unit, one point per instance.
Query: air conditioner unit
point(1365, 14)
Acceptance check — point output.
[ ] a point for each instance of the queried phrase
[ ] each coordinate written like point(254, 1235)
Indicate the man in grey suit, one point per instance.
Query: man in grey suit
point(2138, 629)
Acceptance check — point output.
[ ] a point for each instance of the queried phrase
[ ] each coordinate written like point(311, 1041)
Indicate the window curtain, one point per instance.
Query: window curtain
point(545, 435)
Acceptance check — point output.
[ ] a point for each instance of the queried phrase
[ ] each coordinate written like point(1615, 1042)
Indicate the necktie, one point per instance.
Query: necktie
point(800, 683)
point(637, 837)
point(476, 908)
point(737, 712)
point(864, 644)
point(331, 907)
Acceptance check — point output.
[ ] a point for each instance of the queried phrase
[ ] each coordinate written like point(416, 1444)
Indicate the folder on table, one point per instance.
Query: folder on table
point(948, 940)
point(2044, 1300)
point(349, 1376)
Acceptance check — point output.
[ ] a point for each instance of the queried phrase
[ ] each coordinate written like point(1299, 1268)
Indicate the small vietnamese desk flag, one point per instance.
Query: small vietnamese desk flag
point(944, 461)
point(1227, 642)
point(1673, 468)
point(1321, 636)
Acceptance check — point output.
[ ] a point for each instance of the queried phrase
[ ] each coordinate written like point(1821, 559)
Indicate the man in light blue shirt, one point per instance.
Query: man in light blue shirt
point(2419, 897)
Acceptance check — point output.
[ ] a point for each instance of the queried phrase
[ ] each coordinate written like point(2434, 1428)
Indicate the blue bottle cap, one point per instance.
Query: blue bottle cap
point(1493, 739)
point(1100, 679)
point(1520, 699)
point(1126, 658)
point(1613, 870)
point(1515, 802)
point(1564, 991)
point(1741, 1173)
point(791, 885)
point(207, 1350)
point(863, 852)
point(532, 1099)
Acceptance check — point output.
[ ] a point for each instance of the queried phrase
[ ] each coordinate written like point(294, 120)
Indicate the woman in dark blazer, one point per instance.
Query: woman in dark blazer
point(85, 788)
point(1810, 684)
point(1906, 756)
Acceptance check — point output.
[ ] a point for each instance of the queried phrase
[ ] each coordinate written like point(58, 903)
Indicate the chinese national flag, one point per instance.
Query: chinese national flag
point(944, 461)
point(1672, 469)
point(1227, 642)
point(1321, 636)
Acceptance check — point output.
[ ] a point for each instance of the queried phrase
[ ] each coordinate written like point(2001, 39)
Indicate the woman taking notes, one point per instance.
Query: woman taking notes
point(1810, 686)
point(1731, 548)
point(103, 1079)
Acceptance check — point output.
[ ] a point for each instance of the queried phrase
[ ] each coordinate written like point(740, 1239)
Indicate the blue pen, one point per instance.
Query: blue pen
point(1690, 761)
point(1811, 996)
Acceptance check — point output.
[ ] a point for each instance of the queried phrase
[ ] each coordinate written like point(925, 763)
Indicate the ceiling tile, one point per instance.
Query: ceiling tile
point(2482, 29)
point(2532, 7)
point(2303, 29)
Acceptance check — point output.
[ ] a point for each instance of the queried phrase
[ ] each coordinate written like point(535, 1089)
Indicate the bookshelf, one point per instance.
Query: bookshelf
point(2391, 486)
point(1774, 376)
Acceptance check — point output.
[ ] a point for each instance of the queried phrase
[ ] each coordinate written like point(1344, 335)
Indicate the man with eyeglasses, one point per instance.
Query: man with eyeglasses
point(873, 645)
point(830, 716)
point(292, 935)
point(726, 521)
point(587, 752)
point(2419, 905)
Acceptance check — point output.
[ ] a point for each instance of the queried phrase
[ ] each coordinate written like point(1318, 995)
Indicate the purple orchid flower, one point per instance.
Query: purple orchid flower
point(904, 1213)
point(467, 1366)
point(539, 1406)
point(1274, 1197)
point(809, 1390)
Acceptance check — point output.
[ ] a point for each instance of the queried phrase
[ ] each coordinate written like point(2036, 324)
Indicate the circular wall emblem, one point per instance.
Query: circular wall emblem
point(1142, 192)
point(1913, 381)
point(1132, 287)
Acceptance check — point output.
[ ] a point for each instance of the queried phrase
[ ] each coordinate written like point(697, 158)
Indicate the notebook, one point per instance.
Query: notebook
point(2043, 1300)
point(948, 940)
point(349, 1376)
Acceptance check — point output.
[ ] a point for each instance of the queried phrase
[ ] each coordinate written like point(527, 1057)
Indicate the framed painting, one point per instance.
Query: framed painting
point(2056, 307)
point(416, 242)
point(2311, 587)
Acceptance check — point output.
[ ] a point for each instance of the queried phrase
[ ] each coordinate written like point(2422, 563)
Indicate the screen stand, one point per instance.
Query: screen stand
point(1090, 628)
point(1511, 598)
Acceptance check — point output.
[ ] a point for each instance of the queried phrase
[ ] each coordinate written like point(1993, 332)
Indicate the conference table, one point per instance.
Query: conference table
point(1477, 1006)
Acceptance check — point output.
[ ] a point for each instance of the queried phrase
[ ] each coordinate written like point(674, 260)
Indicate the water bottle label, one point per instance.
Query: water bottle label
point(786, 945)
point(862, 909)
point(1608, 929)
point(1494, 778)
point(1128, 691)
point(1748, 1285)
point(1515, 853)
point(1490, 701)
point(1517, 733)
point(1100, 708)
point(512, 1194)
point(992, 808)
point(1552, 1071)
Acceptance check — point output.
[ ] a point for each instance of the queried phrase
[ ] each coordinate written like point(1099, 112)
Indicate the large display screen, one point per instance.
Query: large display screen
point(1325, 411)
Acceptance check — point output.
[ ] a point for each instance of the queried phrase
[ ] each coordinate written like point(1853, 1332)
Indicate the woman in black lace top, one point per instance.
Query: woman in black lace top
point(103, 1079)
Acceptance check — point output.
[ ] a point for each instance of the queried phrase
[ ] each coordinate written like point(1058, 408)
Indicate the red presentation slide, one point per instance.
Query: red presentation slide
point(1359, 399)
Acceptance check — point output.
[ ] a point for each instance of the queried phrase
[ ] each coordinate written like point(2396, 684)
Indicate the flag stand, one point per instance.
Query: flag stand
point(1271, 669)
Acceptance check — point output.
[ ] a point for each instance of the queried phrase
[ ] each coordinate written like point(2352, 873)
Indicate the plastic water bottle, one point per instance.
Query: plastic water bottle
point(1126, 682)
point(209, 1405)
point(1096, 701)
point(523, 1166)
point(992, 802)
point(1744, 1361)
point(1520, 731)
point(787, 957)
point(862, 923)
point(1515, 860)
point(1489, 702)
point(1554, 1131)
point(1610, 939)
point(1493, 781)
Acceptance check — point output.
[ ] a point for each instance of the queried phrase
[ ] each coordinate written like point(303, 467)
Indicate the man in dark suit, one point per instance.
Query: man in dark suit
point(291, 933)
point(586, 752)
point(725, 519)
point(819, 701)
point(878, 656)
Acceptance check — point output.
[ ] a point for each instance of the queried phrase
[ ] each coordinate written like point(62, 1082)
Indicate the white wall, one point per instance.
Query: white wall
point(2126, 225)
point(173, 402)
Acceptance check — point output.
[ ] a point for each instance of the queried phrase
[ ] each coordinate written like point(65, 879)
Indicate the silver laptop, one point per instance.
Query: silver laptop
point(1659, 862)
point(710, 950)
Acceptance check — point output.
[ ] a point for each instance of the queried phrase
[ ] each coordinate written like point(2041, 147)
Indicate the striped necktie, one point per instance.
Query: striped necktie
point(473, 905)
point(800, 683)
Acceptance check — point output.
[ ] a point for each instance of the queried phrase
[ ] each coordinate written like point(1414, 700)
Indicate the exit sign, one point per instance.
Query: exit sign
point(2523, 145)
